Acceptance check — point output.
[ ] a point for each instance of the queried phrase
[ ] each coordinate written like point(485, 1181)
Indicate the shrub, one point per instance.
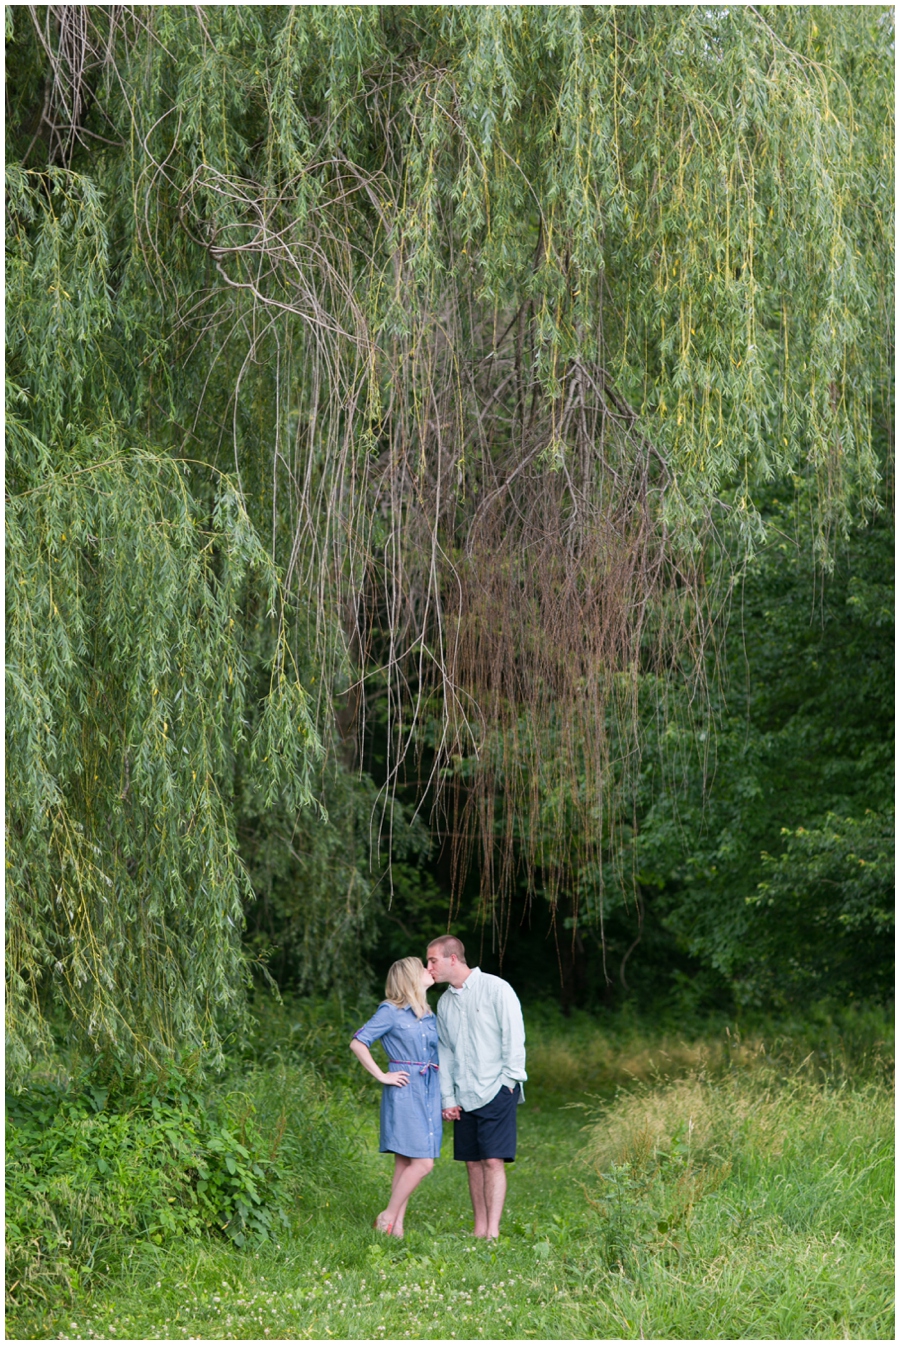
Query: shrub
point(94, 1161)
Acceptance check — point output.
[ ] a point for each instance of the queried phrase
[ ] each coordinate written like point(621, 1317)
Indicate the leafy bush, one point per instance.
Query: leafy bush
point(99, 1159)
point(94, 1161)
point(826, 906)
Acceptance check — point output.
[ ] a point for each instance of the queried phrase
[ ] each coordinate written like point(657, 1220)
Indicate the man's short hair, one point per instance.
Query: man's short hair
point(450, 946)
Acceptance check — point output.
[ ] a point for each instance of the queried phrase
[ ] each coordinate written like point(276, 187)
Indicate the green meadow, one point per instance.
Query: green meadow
point(715, 1187)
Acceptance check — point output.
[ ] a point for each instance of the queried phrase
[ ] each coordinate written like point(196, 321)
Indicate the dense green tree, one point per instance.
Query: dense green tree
point(495, 318)
point(772, 855)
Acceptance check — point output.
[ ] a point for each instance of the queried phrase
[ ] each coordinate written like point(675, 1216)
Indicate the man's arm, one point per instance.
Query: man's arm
point(447, 1062)
point(512, 1036)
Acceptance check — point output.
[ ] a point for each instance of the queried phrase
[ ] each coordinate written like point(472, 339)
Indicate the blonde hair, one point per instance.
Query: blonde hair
point(403, 986)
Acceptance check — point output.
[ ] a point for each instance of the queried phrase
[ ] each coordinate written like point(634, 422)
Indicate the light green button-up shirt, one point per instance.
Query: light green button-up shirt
point(481, 1041)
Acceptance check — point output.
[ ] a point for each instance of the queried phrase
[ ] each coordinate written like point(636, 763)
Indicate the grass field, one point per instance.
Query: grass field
point(674, 1190)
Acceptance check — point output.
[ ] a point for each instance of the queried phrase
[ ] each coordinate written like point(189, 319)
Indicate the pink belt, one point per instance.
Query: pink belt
point(426, 1064)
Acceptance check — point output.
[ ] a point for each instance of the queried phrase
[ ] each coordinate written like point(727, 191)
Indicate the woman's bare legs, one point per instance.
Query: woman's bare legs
point(408, 1172)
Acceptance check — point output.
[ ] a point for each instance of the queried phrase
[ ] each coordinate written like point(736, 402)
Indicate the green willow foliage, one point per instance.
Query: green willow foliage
point(499, 317)
point(130, 686)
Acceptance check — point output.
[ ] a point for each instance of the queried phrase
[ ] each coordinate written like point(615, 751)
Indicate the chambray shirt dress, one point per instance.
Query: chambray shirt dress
point(410, 1116)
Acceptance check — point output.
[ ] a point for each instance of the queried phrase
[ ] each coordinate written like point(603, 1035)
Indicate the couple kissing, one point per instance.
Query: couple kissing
point(465, 1065)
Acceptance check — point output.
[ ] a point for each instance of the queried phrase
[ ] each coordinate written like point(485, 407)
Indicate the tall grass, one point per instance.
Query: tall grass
point(587, 1054)
point(720, 1187)
point(755, 1205)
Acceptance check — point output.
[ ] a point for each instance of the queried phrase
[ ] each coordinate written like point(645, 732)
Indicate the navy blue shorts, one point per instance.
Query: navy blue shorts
point(488, 1131)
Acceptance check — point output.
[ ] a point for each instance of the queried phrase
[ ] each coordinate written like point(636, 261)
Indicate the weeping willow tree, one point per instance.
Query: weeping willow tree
point(131, 689)
point(497, 320)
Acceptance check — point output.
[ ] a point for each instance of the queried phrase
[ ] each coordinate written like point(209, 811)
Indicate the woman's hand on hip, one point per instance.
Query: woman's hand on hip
point(397, 1080)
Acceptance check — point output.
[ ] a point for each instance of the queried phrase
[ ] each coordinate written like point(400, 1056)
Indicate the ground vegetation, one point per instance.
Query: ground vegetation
point(667, 1186)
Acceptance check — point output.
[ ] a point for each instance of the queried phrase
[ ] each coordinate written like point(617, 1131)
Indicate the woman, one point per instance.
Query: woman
point(411, 1097)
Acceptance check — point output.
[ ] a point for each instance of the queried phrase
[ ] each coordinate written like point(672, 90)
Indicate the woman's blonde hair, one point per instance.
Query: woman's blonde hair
point(403, 986)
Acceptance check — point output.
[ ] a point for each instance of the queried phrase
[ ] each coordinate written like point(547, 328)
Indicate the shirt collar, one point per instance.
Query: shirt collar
point(457, 990)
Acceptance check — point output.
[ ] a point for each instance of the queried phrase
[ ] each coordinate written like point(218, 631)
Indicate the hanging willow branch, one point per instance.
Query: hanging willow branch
point(131, 690)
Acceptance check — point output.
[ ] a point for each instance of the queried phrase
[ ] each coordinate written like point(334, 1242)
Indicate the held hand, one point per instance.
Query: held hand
point(398, 1080)
point(450, 1113)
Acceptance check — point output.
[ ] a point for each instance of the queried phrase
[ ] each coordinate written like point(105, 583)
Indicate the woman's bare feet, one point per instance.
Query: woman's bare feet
point(382, 1224)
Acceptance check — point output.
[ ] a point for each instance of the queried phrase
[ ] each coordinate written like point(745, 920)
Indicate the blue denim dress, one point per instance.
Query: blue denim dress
point(410, 1116)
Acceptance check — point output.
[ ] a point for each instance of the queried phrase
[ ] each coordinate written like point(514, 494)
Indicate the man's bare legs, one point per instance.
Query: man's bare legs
point(487, 1187)
point(408, 1172)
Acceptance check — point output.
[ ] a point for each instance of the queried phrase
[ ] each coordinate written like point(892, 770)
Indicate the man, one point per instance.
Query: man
point(481, 1048)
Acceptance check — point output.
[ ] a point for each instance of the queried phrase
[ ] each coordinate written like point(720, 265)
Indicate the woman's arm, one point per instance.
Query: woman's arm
point(366, 1059)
